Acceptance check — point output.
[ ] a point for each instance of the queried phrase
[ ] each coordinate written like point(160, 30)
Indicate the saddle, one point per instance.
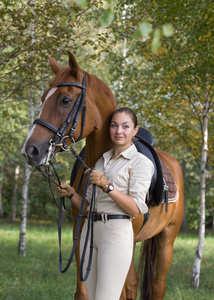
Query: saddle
point(162, 187)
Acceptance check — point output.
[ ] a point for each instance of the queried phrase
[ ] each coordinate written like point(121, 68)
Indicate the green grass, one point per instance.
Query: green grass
point(36, 276)
point(179, 275)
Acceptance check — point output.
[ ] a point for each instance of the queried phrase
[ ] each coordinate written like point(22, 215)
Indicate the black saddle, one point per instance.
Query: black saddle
point(144, 144)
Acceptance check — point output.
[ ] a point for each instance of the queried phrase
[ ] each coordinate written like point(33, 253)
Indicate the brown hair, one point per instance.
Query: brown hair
point(128, 111)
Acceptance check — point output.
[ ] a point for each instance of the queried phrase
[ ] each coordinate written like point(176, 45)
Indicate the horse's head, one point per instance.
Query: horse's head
point(63, 113)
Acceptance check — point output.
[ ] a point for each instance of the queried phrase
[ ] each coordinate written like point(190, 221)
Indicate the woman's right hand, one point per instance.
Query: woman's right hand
point(65, 190)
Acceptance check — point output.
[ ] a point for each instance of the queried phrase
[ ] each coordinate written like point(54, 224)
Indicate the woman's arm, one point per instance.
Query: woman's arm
point(125, 202)
point(65, 190)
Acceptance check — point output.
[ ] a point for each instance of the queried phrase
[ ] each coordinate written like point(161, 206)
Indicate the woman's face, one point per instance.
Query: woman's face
point(122, 130)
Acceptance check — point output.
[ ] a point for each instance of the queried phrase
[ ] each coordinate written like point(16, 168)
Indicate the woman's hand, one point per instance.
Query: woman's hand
point(98, 179)
point(65, 190)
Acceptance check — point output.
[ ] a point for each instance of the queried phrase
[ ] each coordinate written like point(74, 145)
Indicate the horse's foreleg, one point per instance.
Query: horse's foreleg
point(164, 250)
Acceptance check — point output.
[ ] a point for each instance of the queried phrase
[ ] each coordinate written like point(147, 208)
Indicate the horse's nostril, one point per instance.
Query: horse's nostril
point(32, 152)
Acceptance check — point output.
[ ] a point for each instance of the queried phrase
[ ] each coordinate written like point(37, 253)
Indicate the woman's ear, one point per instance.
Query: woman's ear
point(136, 129)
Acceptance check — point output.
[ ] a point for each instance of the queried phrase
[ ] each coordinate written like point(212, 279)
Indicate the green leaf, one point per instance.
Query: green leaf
point(81, 3)
point(111, 3)
point(168, 30)
point(64, 21)
point(107, 17)
point(145, 29)
point(156, 40)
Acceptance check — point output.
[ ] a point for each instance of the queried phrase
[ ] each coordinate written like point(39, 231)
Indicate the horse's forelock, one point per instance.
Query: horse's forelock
point(64, 75)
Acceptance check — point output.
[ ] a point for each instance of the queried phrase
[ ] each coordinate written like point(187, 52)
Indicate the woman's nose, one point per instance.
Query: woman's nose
point(119, 129)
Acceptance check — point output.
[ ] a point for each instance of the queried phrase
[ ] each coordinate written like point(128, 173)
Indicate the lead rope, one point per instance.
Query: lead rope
point(77, 231)
point(90, 227)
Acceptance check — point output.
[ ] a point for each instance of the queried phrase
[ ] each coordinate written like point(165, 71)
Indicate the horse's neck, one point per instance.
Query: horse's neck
point(99, 140)
point(96, 145)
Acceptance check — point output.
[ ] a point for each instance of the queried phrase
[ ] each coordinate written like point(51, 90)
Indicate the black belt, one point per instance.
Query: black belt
point(104, 217)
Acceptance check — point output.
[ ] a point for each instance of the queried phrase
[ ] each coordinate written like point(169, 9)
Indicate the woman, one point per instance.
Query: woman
point(122, 176)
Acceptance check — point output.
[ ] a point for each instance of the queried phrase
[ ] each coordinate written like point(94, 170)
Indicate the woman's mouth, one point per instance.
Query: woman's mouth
point(118, 138)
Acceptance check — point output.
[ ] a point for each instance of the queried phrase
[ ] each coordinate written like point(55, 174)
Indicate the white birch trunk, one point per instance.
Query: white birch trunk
point(24, 202)
point(199, 252)
point(14, 195)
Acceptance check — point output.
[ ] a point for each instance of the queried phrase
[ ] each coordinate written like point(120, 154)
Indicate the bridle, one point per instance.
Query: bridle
point(79, 106)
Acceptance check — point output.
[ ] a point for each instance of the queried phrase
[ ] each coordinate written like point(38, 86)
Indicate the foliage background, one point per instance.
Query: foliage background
point(157, 57)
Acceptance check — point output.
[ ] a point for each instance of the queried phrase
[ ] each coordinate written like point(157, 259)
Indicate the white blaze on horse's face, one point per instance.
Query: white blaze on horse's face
point(50, 93)
point(29, 135)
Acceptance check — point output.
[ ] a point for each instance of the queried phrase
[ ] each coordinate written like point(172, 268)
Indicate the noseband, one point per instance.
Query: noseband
point(79, 105)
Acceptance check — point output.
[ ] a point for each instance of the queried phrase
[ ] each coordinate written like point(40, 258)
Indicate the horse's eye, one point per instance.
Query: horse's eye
point(65, 101)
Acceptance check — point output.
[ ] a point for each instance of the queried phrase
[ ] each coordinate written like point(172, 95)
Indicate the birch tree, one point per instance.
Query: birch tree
point(23, 222)
point(14, 194)
point(204, 149)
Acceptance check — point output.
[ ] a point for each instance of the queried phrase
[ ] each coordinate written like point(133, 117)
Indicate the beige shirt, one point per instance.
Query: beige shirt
point(130, 172)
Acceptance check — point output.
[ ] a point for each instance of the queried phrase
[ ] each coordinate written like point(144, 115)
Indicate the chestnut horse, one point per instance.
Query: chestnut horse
point(57, 105)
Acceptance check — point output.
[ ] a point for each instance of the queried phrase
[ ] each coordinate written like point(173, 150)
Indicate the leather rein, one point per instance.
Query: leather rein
point(79, 106)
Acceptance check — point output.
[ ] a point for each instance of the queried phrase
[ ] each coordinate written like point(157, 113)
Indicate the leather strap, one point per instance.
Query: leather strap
point(46, 124)
point(104, 217)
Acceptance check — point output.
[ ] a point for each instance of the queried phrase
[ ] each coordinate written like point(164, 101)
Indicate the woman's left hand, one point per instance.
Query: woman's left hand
point(99, 180)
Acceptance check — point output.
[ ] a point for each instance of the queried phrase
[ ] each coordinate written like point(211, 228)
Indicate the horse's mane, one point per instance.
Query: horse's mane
point(100, 87)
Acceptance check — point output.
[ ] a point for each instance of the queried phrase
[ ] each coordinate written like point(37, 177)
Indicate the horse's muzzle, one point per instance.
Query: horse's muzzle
point(33, 155)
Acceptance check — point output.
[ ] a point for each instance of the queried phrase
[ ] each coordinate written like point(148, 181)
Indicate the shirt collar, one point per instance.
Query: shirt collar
point(129, 153)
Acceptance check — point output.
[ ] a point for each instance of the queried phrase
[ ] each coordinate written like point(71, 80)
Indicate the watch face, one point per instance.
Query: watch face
point(110, 188)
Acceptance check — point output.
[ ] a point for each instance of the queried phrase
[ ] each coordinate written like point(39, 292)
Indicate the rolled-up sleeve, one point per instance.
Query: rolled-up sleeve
point(140, 179)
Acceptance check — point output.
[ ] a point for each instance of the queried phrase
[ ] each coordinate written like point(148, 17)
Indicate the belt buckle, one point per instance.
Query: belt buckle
point(104, 217)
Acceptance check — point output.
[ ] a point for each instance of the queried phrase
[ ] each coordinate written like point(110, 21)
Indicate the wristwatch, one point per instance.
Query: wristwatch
point(110, 188)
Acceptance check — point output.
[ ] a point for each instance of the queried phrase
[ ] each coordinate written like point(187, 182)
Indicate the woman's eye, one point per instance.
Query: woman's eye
point(65, 101)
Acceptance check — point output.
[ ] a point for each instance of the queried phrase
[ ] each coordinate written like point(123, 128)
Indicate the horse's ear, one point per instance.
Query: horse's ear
point(75, 69)
point(55, 67)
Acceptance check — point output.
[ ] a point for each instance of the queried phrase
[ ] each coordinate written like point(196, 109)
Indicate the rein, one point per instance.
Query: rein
point(80, 105)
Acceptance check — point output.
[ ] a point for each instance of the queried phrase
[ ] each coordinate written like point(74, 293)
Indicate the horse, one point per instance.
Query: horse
point(92, 123)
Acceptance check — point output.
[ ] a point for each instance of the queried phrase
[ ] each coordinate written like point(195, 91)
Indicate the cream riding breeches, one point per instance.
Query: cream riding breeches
point(112, 255)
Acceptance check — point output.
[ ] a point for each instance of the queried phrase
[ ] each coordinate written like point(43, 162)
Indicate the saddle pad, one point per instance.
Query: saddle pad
point(170, 182)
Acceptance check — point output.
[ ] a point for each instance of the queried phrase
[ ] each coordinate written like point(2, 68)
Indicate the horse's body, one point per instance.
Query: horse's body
point(162, 227)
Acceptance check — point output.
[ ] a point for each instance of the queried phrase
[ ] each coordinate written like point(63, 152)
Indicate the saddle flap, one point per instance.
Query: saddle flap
point(157, 183)
point(145, 135)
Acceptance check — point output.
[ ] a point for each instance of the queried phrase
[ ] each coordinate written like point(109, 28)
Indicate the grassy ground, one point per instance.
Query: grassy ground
point(36, 276)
